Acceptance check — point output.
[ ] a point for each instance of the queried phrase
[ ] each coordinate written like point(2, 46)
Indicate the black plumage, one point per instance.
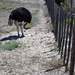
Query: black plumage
point(20, 15)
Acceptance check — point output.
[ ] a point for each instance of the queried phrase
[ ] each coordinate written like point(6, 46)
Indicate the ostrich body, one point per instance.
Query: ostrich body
point(18, 16)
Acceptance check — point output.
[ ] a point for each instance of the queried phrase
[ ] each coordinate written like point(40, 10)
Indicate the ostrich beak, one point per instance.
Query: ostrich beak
point(10, 22)
point(28, 26)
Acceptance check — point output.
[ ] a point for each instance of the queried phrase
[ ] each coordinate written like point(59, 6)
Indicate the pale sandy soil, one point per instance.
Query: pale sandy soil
point(36, 54)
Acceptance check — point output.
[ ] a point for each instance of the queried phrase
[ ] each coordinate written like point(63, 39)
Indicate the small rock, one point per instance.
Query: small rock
point(29, 35)
point(26, 35)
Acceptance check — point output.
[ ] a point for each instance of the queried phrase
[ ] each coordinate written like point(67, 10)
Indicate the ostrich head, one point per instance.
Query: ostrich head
point(10, 22)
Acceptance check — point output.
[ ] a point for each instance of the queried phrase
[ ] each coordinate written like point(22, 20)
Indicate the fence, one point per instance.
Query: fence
point(64, 31)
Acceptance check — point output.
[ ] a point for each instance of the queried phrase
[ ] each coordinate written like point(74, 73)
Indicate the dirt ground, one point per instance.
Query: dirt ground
point(37, 56)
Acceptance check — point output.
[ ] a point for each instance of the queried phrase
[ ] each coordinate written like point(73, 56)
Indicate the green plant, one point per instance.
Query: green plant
point(11, 45)
point(55, 49)
point(5, 62)
point(10, 71)
point(13, 29)
point(67, 20)
point(0, 43)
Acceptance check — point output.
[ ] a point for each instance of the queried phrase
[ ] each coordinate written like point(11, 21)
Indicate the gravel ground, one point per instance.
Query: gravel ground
point(37, 56)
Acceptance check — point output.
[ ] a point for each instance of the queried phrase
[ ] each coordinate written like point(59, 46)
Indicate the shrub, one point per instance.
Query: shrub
point(11, 45)
point(59, 1)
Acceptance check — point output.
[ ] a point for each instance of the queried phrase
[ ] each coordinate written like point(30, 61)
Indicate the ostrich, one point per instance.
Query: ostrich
point(19, 16)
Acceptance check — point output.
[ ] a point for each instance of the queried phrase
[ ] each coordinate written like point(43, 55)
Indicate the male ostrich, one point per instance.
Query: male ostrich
point(19, 16)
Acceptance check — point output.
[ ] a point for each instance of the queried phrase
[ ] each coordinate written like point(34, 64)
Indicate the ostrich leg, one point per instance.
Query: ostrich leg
point(21, 29)
point(18, 30)
point(16, 23)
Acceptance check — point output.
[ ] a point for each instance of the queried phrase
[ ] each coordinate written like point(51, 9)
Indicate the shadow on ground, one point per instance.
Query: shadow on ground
point(14, 37)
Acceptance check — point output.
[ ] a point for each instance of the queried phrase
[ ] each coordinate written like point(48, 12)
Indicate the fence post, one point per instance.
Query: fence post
point(64, 30)
point(60, 31)
point(53, 16)
point(66, 39)
point(70, 39)
point(56, 28)
point(72, 51)
point(49, 6)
